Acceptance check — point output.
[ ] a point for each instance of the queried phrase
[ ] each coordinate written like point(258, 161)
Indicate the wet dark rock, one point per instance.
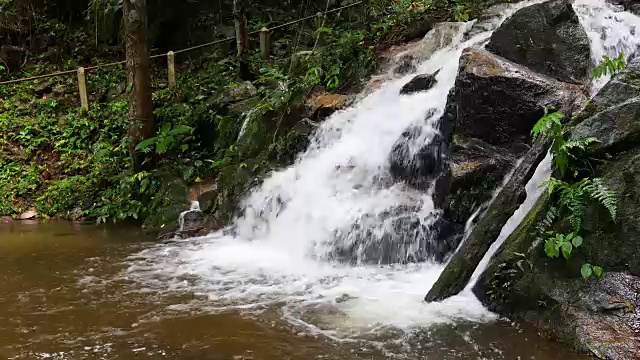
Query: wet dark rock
point(498, 101)
point(472, 159)
point(598, 316)
point(419, 168)
point(193, 220)
point(612, 115)
point(547, 38)
point(397, 236)
point(459, 270)
point(419, 83)
point(477, 169)
point(205, 192)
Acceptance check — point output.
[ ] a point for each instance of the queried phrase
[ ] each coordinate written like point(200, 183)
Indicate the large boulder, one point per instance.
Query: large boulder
point(463, 263)
point(600, 316)
point(547, 38)
point(613, 114)
point(420, 155)
point(498, 101)
point(477, 168)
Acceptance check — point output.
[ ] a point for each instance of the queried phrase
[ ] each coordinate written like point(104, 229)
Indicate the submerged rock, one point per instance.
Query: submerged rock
point(398, 236)
point(459, 270)
point(498, 101)
point(547, 38)
point(419, 83)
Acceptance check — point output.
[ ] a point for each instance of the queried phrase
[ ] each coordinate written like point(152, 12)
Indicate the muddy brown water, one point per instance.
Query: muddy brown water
point(63, 296)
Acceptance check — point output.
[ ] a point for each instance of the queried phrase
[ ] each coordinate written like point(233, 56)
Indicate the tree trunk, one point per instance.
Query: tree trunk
point(141, 123)
point(242, 38)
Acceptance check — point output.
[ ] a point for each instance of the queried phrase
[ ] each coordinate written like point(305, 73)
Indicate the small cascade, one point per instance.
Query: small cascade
point(194, 210)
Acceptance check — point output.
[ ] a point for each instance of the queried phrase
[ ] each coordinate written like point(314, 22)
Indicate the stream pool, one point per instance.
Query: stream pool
point(65, 295)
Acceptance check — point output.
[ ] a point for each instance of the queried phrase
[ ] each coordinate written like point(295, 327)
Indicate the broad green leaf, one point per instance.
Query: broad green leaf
point(566, 249)
point(551, 249)
point(577, 241)
point(165, 128)
point(145, 144)
point(586, 271)
point(597, 270)
point(163, 145)
point(181, 129)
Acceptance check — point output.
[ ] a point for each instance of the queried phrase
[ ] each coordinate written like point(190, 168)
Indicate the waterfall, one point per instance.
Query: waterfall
point(285, 249)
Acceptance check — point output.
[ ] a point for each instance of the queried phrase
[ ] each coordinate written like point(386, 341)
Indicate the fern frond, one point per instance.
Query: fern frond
point(548, 220)
point(572, 197)
point(553, 184)
point(581, 144)
point(597, 190)
point(550, 123)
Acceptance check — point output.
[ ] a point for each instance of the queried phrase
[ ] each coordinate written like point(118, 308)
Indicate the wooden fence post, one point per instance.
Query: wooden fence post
point(265, 46)
point(242, 37)
point(171, 68)
point(82, 88)
point(319, 25)
point(365, 5)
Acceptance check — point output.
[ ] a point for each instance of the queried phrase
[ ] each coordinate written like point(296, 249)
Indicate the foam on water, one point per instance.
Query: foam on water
point(279, 252)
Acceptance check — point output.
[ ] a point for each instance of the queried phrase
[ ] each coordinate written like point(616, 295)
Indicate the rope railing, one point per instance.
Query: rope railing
point(264, 49)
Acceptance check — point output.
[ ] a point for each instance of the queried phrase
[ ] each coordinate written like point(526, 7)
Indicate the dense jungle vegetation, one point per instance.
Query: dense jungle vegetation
point(65, 162)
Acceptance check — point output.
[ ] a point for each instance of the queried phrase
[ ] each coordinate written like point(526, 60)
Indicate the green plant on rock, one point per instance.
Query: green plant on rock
point(572, 193)
point(609, 66)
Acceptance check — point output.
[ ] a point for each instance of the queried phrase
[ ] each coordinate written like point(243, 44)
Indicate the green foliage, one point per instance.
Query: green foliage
point(571, 197)
point(560, 243)
point(61, 160)
point(167, 137)
point(563, 150)
point(609, 66)
point(587, 270)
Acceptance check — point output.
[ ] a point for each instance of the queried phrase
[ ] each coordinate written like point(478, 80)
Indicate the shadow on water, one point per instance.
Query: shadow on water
point(64, 296)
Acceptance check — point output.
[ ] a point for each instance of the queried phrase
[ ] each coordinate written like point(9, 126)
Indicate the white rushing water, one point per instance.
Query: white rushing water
point(279, 253)
point(610, 30)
